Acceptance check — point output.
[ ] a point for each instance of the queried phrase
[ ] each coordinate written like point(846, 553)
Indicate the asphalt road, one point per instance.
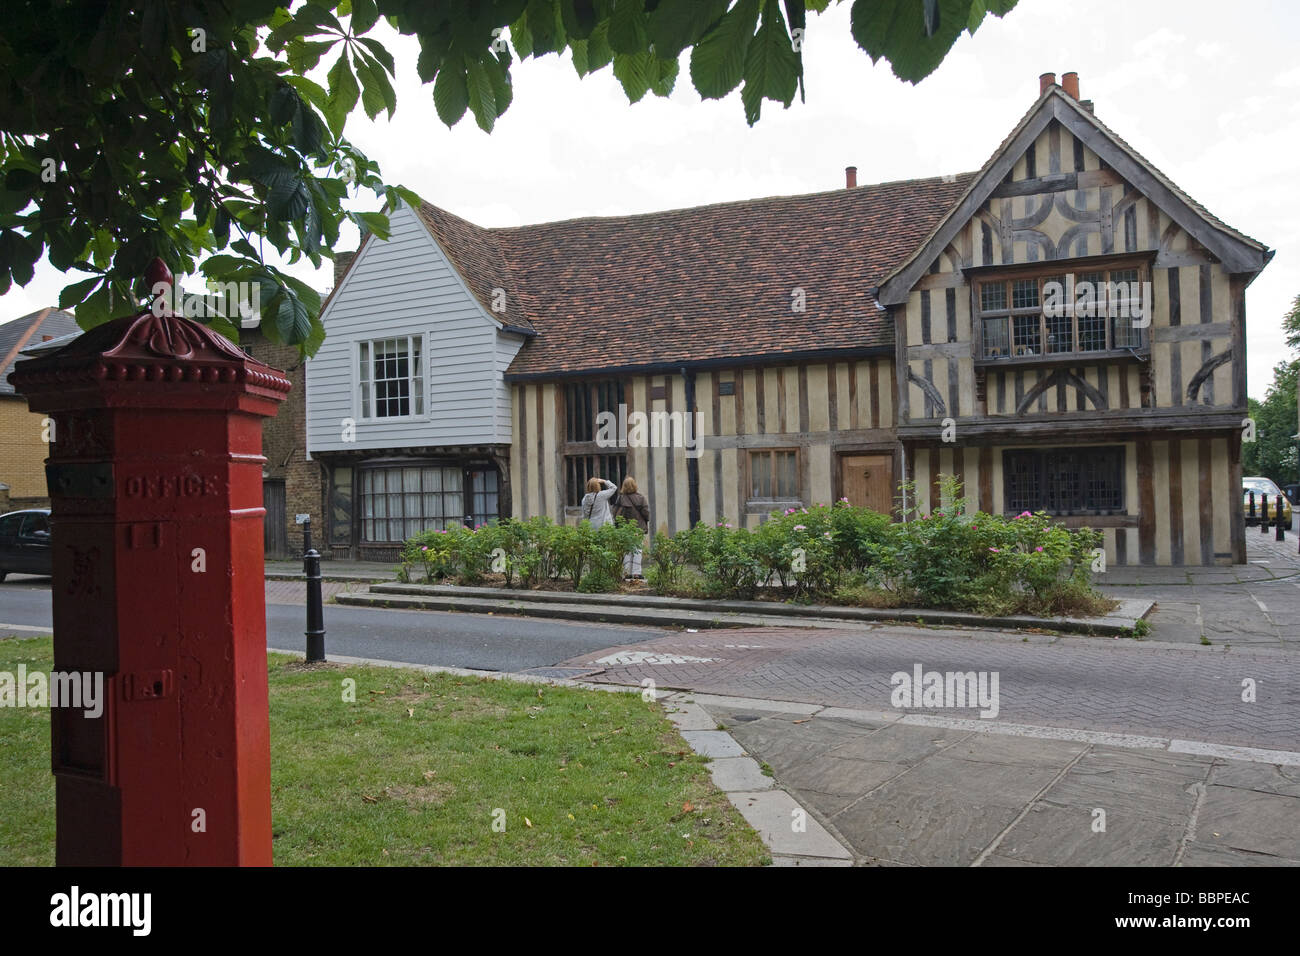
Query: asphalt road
point(476, 641)
point(1090, 684)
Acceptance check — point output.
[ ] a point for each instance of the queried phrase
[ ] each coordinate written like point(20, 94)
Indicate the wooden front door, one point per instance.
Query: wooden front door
point(868, 481)
point(275, 531)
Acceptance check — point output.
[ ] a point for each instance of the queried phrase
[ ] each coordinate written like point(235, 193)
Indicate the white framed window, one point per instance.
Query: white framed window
point(391, 377)
point(399, 502)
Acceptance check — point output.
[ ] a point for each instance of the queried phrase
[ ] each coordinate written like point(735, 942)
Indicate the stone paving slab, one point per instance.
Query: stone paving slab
point(739, 773)
point(690, 716)
point(1200, 855)
point(1256, 604)
point(1250, 821)
point(1051, 835)
point(921, 827)
point(712, 743)
point(1159, 788)
point(808, 861)
point(905, 795)
point(781, 822)
point(714, 701)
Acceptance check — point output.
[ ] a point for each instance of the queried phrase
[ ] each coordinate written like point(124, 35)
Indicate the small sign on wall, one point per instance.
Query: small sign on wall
point(300, 519)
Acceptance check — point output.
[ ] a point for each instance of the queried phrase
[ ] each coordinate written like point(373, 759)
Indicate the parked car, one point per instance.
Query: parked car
point(25, 543)
point(1264, 487)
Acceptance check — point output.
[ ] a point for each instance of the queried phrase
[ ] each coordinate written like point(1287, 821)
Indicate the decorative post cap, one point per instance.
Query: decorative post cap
point(130, 355)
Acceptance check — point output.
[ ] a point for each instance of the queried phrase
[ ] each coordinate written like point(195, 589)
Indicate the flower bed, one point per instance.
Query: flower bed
point(838, 554)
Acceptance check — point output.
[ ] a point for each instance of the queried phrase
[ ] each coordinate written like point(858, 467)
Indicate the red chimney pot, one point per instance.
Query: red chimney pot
point(850, 177)
point(1044, 81)
point(1070, 83)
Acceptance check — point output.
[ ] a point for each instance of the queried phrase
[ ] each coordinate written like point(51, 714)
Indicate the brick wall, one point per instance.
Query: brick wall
point(22, 453)
point(284, 442)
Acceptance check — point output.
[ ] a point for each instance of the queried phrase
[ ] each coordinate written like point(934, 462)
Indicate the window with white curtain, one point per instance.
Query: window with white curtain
point(484, 499)
point(399, 502)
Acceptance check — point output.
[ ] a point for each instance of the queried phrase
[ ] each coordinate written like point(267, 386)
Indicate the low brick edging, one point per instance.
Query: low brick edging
point(653, 609)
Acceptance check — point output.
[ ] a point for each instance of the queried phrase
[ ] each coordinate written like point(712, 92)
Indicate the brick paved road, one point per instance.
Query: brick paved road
point(1099, 684)
point(295, 592)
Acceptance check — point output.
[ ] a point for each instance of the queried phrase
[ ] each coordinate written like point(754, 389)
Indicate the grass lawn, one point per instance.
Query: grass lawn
point(412, 772)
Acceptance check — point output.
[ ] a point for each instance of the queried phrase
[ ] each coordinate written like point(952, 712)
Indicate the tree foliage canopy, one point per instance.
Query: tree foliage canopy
point(1291, 325)
point(193, 131)
point(1273, 452)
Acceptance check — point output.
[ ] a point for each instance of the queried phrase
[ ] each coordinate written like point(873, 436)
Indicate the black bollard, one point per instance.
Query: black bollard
point(1281, 526)
point(315, 610)
point(1250, 516)
point(1263, 514)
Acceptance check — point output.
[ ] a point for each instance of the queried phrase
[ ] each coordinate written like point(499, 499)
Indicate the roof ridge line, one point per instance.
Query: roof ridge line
point(946, 178)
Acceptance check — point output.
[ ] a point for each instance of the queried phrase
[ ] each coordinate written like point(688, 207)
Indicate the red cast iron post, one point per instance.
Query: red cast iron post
point(155, 480)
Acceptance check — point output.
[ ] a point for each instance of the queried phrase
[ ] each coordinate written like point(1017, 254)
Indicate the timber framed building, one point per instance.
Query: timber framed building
point(1064, 330)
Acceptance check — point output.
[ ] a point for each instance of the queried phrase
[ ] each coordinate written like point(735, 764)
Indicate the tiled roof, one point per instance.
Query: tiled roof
point(694, 285)
point(476, 253)
point(31, 329)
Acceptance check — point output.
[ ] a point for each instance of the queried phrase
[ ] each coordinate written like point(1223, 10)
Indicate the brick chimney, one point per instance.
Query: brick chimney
point(1044, 81)
point(850, 177)
point(1070, 83)
point(341, 262)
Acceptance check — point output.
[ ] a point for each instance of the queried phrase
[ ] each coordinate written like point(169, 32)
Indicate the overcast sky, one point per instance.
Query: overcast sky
point(1209, 92)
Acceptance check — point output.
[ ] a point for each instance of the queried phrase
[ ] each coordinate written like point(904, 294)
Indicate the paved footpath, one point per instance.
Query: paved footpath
point(1256, 604)
point(895, 793)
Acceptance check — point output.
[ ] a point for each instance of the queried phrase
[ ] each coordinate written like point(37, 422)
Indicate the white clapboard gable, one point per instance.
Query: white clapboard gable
point(402, 286)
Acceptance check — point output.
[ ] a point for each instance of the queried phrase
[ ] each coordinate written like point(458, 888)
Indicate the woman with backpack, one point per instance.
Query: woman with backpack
point(631, 506)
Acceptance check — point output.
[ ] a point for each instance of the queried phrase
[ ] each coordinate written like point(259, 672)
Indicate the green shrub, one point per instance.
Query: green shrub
point(948, 559)
point(666, 561)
